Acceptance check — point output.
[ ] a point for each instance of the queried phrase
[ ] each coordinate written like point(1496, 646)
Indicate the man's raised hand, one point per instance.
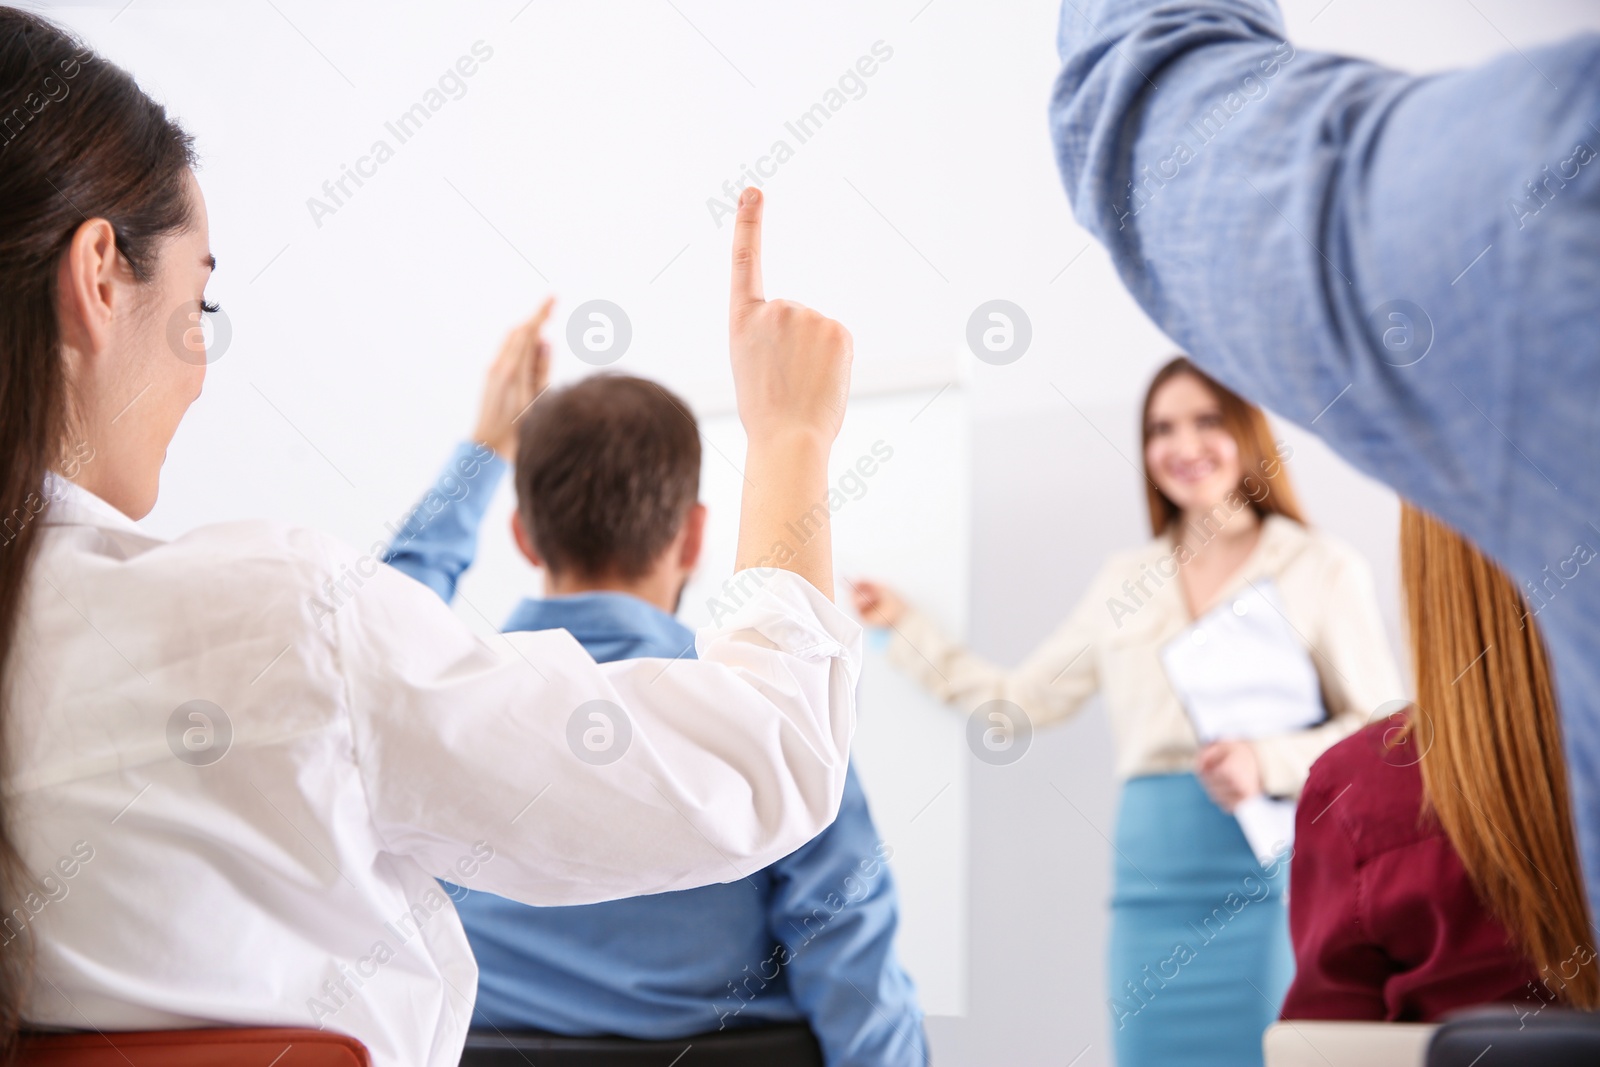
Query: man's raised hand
point(516, 378)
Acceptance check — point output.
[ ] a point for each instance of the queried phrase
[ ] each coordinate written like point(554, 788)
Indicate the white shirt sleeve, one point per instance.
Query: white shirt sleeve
point(590, 782)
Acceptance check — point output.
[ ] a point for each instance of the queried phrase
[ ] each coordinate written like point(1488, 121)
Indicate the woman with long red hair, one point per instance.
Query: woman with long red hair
point(1199, 952)
point(1436, 866)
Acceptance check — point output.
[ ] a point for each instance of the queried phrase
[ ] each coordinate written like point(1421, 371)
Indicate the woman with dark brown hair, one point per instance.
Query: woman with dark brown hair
point(237, 761)
point(1197, 966)
point(1436, 865)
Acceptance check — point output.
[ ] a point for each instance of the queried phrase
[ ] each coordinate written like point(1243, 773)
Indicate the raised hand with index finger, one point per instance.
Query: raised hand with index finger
point(791, 365)
point(791, 371)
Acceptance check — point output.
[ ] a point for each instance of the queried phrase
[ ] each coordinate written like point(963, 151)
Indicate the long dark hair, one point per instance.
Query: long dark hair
point(78, 140)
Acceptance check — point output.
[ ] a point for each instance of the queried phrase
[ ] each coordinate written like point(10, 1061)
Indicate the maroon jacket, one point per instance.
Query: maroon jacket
point(1386, 924)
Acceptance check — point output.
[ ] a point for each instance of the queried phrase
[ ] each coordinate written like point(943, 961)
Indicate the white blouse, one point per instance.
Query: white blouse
point(1111, 644)
point(267, 856)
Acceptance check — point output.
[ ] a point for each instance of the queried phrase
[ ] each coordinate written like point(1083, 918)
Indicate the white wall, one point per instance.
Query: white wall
point(579, 159)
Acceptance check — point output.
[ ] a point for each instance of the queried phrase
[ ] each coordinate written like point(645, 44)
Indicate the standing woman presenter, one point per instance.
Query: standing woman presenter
point(236, 762)
point(1225, 522)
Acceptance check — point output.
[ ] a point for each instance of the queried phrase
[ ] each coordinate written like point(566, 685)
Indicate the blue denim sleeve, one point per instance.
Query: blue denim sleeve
point(439, 539)
point(1408, 265)
point(834, 909)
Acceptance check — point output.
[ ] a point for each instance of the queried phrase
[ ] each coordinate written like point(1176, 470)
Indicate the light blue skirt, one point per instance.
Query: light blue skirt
point(1199, 955)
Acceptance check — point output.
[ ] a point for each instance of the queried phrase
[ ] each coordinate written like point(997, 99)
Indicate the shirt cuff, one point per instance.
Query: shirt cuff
point(789, 612)
point(466, 484)
point(1282, 766)
point(916, 642)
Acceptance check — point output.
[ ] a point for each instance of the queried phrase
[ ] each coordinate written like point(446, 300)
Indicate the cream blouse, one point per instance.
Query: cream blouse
point(1111, 644)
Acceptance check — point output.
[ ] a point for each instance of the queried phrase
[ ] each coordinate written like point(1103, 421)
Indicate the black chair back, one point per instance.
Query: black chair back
point(1508, 1036)
point(766, 1046)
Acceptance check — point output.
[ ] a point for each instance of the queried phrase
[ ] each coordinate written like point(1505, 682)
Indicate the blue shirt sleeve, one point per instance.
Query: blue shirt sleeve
point(834, 910)
point(1408, 265)
point(439, 539)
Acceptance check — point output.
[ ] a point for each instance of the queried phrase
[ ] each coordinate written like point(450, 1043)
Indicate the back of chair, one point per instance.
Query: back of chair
point(1517, 1037)
point(1304, 1043)
point(242, 1047)
point(767, 1046)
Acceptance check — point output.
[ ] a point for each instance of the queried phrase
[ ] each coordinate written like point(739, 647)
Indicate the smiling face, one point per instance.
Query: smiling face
point(1189, 452)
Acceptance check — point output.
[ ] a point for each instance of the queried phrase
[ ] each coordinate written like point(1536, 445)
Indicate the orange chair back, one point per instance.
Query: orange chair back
point(241, 1047)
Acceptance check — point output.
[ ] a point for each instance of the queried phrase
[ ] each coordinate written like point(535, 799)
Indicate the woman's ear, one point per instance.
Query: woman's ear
point(86, 287)
point(524, 542)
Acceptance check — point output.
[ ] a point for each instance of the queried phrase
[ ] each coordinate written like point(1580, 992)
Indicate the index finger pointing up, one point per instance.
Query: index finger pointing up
point(747, 251)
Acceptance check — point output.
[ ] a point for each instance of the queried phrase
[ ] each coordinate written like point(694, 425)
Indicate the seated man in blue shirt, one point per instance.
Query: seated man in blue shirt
point(607, 477)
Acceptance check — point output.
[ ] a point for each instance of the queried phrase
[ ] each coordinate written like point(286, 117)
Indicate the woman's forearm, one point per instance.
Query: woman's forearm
point(783, 516)
point(791, 371)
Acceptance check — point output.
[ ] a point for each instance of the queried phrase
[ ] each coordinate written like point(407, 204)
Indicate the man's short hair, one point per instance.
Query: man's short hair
point(607, 471)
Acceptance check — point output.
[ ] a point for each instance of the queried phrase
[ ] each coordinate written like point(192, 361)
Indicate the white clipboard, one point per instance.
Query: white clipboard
point(1241, 673)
